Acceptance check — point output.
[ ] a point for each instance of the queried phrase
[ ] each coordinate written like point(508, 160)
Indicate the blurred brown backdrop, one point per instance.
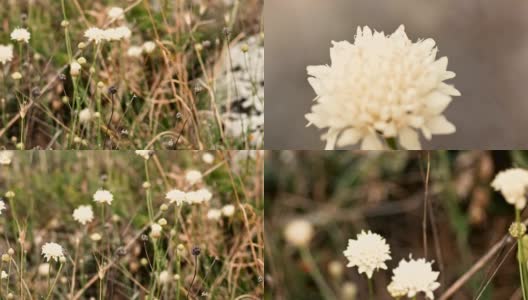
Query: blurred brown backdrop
point(486, 42)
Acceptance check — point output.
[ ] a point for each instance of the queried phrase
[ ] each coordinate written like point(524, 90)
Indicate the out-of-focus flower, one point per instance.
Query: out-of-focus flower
point(193, 176)
point(228, 210)
point(381, 86)
point(6, 53)
point(146, 154)
point(176, 196)
point(20, 35)
point(83, 214)
point(299, 232)
point(149, 46)
point(6, 156)
point(214, 214)
point(103, 196)
point(116, 13)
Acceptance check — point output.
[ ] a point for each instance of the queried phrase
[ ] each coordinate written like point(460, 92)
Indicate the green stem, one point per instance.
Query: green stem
point(391, 143)
point(370, 288)
point(520, 258)
point(54, 282)
point(316, 274)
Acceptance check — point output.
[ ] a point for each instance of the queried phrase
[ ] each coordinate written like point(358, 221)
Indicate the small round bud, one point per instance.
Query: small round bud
point(143, 261)
point(100, 85)
point(65, 23)
point(198, 47)
point(6, 257)
point(92, 70)
point(244, 48)
point(517, 230)
point(146, 185)
point(11, 251)
point(10, 296)
point(196, 251)
point(162, 222)
point(81, 45)
point(10, 194)
point(62, 259)
point(164, 207)
point(81, 60)
point(16, 76)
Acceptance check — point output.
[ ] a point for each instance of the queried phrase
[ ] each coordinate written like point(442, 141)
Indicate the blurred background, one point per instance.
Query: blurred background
point(343, 192)
point(486, 42)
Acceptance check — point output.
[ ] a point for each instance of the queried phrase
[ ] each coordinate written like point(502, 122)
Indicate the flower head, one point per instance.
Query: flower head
point(413, 277)
point(298, 232)
point(155, 230)
point(193, 176)
point(146, 154)
point(116, 13)
point(6, 156)
point(75, 69)
point(6, 53)
point(20, 35)
point(134, 51)
point(52, 251)
point(208, 158)
point(214, 214)
point(368, 252)
point(118, 33)
point(177, 196)
point(2, 206)
point(85, 115)
point(149, 46)
point(228, 210)
point(94, 34)
point(512, 183)
point(381, 85)
point(103, 196)
point(83, 214)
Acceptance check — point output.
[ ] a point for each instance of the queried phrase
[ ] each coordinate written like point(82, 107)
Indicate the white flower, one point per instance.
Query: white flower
point(368, 252)
point(298, 232)
point(149, 46)
point(146, 154)
point(116, 13)
point(155, 230)
point(6, 53)
point(20, 35)
point(85, 115)
point(193, 176)
point(6, 156)
point(3, 275)
point(118, 33)
point(381, 85)
point(214, 214)
point(52, 251)
point(208, 158)
point(44, 269)
point(96, 237)
point(135, 51)
point(83, 214)
point(164, 277)
point(94, 34)
point(103, 196)
point(412, 277)
point(512, 183)
point(75, 69)
point(2, 206)
point(205, 195)
point(228, 210)
point(198, 196)
point(177, 196)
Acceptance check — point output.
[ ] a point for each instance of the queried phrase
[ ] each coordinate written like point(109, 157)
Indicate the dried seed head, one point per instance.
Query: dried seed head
point(196, 251)
point(112, 90)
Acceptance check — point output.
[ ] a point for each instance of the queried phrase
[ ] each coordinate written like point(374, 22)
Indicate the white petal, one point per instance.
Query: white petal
point(440, 125)
point(316, 85)
point(371, 142)
point(330, 138)
point(349, 137)
point(437, 102)
point(409, 139)
point(447, 75)
point(318, 71)
point(440, 65)
point(448, 89)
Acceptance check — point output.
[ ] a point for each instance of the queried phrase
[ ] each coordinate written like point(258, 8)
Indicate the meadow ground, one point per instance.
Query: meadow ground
point(120, 225)
point(140, 74)
point(451, 215)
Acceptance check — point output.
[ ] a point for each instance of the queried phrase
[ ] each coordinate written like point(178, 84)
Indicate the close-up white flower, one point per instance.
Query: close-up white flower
point(176, 196)
point(381, 87)
point(368, 252)
point(208, 158)
point(2, 206)
point(6, 156)
point(193, 176)
point(6, 53)
point(103, 196)
point(413, 277)
point(83, 214)
point(299, 232)
point(512, 183)
point(20, 35)
point(52, 251)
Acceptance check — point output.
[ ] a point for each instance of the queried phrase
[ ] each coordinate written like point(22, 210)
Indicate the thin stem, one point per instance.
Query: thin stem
point(54, 282)
point(391, 143)
point(371, 288)
point(194, 276)
point(316, 274)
